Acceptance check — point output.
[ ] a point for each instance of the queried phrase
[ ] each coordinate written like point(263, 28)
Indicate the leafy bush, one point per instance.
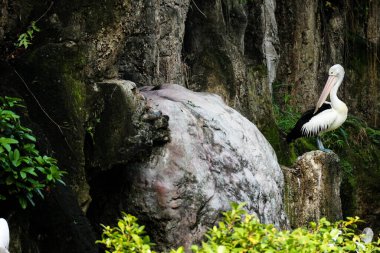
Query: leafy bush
point(126, 237)
point(242, 232)
point(23, 171)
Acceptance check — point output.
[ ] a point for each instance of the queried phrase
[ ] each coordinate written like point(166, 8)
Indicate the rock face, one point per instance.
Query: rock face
point(215, 156)
point(154, 38)
point(313, 188)
point(225, 56)
point(123, 127)
point(315, 38)
point(236, 49)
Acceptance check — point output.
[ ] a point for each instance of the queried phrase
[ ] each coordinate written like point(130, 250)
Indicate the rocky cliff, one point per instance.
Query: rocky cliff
point(80, 76)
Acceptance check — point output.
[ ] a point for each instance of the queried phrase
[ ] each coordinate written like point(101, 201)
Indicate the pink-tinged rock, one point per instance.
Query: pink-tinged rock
point(215, 156)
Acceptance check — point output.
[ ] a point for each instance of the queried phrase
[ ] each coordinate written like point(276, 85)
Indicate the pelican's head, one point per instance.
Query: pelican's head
point(336, 74)
point(336, 70)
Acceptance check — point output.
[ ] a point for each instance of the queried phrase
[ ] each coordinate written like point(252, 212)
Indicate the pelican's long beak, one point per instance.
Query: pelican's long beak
point(328, 86)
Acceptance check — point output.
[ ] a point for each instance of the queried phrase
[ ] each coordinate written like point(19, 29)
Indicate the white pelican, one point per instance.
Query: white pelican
point(4, 236)
point(326, 116)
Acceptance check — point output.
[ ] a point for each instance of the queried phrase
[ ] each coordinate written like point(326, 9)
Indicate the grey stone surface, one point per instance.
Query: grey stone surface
point(313, 188)
point(215, 156)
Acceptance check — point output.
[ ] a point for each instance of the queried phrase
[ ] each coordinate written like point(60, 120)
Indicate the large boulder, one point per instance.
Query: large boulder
point(215, 156)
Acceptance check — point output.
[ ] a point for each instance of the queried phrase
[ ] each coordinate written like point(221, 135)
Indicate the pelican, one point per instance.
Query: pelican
point(326, 116)
point(4, 236)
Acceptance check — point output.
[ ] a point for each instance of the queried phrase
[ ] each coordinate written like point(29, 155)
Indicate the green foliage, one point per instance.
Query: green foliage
point(241, 232)
point(24, 172)
point(286, 118)
point(354, 134)
point(25, 39)
point(128, 236)
point(359, 150)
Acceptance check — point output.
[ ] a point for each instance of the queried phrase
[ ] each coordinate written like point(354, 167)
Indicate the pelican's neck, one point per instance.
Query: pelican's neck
point(335, 101)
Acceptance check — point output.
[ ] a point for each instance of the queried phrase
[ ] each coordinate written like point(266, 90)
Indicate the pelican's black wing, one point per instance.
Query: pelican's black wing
point(296, 131)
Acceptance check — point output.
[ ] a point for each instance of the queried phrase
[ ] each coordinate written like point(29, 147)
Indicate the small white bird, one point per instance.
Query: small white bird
point(4, 236)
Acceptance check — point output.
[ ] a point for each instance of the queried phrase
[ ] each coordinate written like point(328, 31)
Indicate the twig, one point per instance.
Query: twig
point(39, 104)
point(44, 111)
point(196, 6)
point(47, 10)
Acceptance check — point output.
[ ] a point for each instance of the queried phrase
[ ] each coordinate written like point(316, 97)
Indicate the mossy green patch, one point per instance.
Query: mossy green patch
point(55, 76)
point(58, 70)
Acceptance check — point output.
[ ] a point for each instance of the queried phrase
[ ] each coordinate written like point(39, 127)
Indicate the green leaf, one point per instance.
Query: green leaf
point(7, 147)
point(34, 26)
point(40, 160)
point(31, 148)
point(22, 37)
point(22, 202)
point(16, 154)
point(41, 169)
point(4, 140)
point(22, 174)
point(29, 137)
point(15, 157)
point(30, 34)
point(29, 170)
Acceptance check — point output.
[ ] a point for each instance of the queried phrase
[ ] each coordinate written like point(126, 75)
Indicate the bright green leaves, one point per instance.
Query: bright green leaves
point(24, 39)
point(240, 232)
point(29, 137)
point(23, 171)
point(14, 157)
point(6, 143)
point(128, 236)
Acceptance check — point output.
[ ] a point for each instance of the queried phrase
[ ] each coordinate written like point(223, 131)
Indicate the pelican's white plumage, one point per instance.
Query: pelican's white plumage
point(325, 121)
point(4, 235)
point(321, 122)
point(334, 117)
point(326, 116)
